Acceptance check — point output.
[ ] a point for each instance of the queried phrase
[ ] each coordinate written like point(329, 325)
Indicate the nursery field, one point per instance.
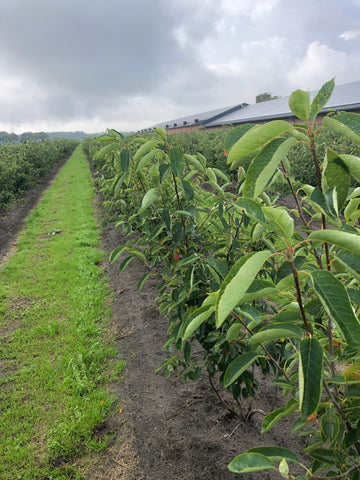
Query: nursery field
point(186, 321)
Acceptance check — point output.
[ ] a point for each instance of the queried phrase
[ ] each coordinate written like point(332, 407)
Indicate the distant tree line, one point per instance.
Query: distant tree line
point(9, 138)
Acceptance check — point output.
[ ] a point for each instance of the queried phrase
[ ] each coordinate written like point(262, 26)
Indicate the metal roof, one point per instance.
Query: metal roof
point(344, 97)
point(197, 118)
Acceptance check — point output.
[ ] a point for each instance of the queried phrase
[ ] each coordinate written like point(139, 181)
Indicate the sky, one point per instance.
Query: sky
point(89, 65)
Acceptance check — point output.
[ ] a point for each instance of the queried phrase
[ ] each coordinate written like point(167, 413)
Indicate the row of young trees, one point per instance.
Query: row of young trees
point(237, 277)
point(21, 166)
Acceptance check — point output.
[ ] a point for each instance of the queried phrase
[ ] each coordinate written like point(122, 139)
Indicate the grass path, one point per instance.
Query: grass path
point(55, 361)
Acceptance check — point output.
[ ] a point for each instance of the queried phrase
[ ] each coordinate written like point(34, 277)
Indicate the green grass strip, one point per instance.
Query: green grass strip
point(53, 354)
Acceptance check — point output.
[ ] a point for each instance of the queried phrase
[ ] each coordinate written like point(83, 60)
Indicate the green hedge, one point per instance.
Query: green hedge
point(21, 166)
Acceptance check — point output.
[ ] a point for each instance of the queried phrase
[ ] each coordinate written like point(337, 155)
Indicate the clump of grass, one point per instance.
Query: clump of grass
point(54, 361)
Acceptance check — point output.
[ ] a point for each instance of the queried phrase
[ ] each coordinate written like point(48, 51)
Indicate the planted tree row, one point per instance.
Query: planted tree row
point(238, 278)
point(21, 166)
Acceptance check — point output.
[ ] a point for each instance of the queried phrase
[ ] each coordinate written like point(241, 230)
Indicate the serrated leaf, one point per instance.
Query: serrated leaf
point(310, 376)
point(252, 209)
point(330, 424)
point(124, 160)
point(280, 221)
point(177, 163)
point(144, 149)
point(197, 317)
point(350, 261)
point(257, 137)
point(115, 254)
point(137, 254)
point(347, 124)
point(336, 303)
point(149, 198)
point(264, 165)
point(299, 103)
point(345, 240)
point(250, 462)
point(143, 280)
point(237, 282)
point(336, 175)
point(236, 133)
point(321, 98)
point(238, 366)
point(324, 455)
point(272, 419)
point(274, 333)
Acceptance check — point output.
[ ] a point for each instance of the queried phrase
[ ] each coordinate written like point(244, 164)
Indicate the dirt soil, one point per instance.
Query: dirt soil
point(162, 429)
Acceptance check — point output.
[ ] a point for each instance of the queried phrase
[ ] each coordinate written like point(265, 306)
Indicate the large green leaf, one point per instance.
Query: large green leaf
point(236, 133)
point(299, 103)
point(238, 366)
point(199, 316)
point(274, 332)
point(324, 203)
point(350, 261)
point(144, 149)
point(149, 198)
point(194, 162)
point(310, 376)
point(272, 419)
point(324, 455)
point(347, 124)
point(145, 160)
point(250, 462)
point(280, 221)
point(275, 453)
point(336, 303)
point(336, 175)
point(115, 254)
point(264, 165)
point(251, 208)
point(257, 137)
point(352, 163)
point(177, 162)
point(321, 98)
point(161, 132)
point(237, 282)
point(345, 240)
point(125, 160)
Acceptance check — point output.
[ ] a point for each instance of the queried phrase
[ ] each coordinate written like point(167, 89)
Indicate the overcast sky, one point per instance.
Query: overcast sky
point(128, 64)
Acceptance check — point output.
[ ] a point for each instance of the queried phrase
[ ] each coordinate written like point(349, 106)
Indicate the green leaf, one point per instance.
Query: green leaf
point(149, 198)
point(257, 137)
point(321, 99)
point(350, 261)
point(352, 163)
point(125, 160)
point(284, 468)
point(336, 303)
point(236, 133)
point(299, 103)
point(274, 332)
point(233, 332)
point(276, 454)
point(144, 149)
point(264, 165)
point(250, 462)
point(336, 175)
point(165, 215)
point(161, 132)
point(324, 203)
point(177, 162)
point(143, 280)
point(137, 254)
point(115, 254)
point(272, 419)
point(194, 162)
point(310, 376)
point(145, 160)
point(197, 317)
point(188, 190)
point(187, 352)
point(324, 455)
point(280, 221)
point(251, 208)
point(125, 263)
point(238, 366)
point(330, 424)
point(347, 124)
point(237, 282)
point(345, 240)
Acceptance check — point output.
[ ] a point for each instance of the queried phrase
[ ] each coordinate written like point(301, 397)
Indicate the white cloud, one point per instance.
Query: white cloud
point(350, 35)
point(321, 63)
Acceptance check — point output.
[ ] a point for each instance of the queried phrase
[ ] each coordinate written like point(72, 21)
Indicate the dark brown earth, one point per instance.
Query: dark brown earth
point(166, 429)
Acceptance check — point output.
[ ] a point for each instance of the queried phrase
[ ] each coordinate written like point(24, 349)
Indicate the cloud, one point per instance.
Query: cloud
point(322, 63)
point(350, 35)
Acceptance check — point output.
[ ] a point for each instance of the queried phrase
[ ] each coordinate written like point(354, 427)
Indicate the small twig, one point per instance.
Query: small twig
point(228, 435)
point(223, 403)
